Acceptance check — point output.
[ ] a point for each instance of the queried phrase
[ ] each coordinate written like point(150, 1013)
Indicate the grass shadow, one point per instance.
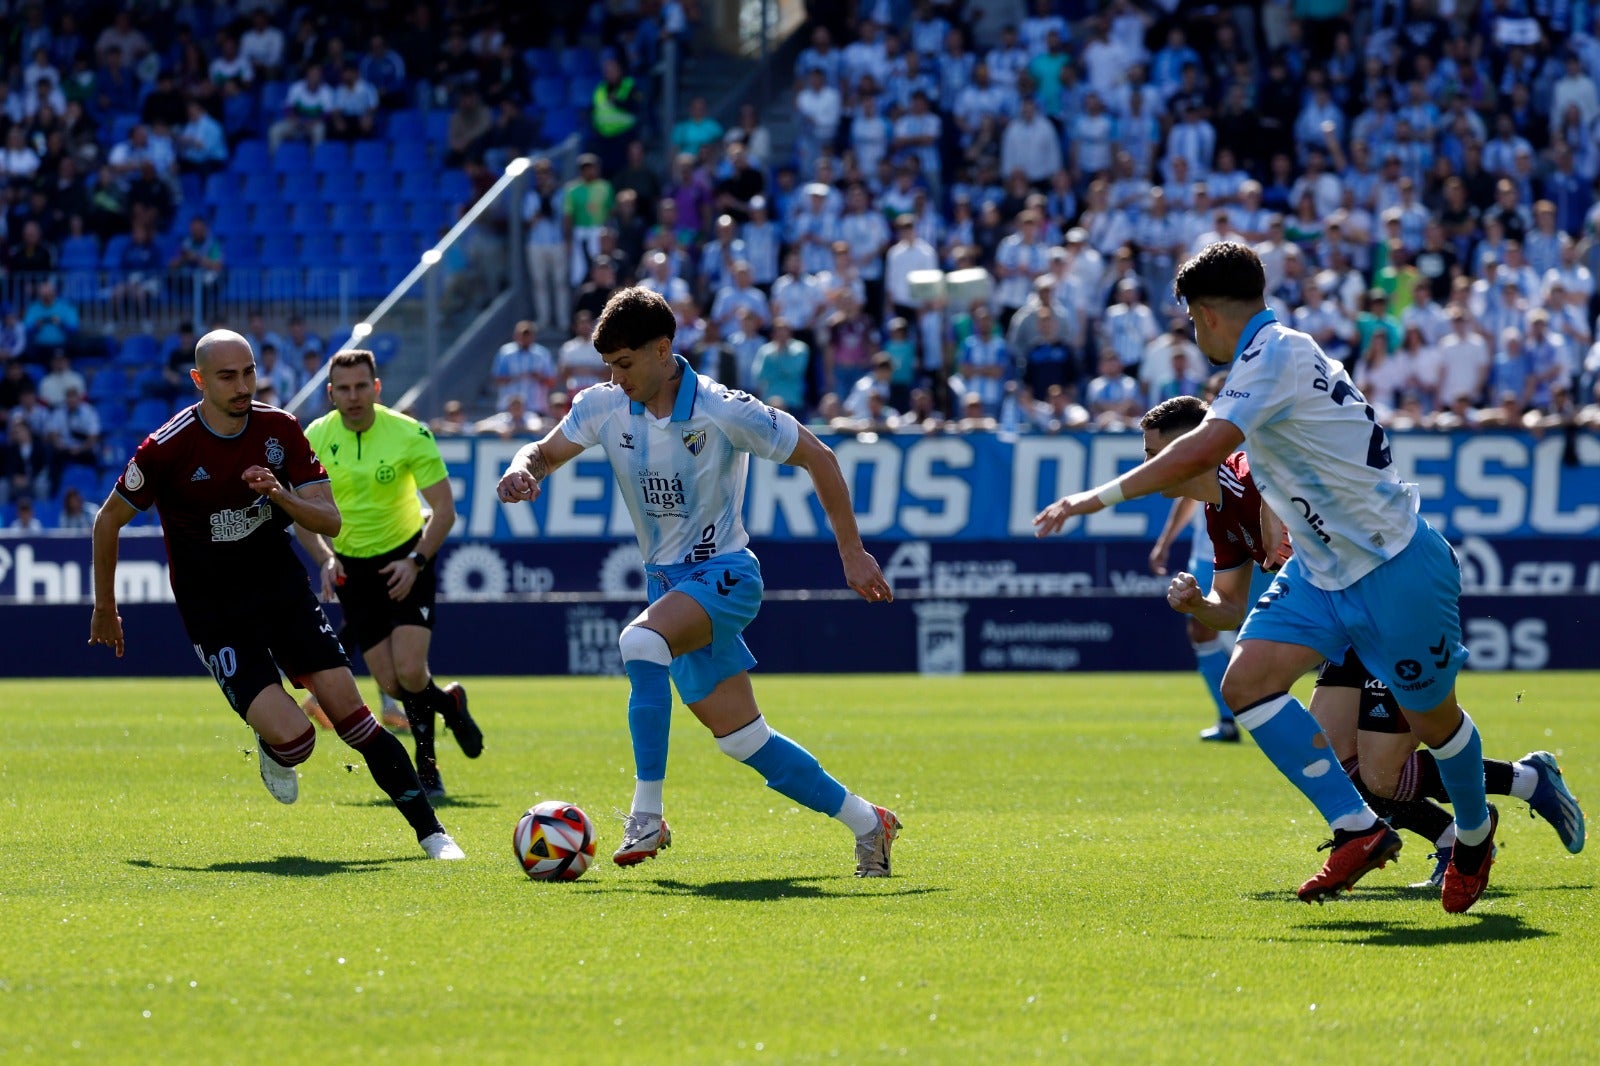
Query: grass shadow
point(282, 866)
point(1476, 929)
point(438, 804)
point(762, 889)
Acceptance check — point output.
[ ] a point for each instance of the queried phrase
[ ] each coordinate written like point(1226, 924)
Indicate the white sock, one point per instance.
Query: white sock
point(1471, 837)
point(647, 797)
point(1524, 779)
point(1359, 822)
point(858, 814)
point(1447, 839)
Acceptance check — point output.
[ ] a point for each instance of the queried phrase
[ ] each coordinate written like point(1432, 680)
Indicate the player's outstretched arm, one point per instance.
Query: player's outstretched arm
point(533, 463)
point(105, 627)
point(1192, 454)
point(860, 568)
point(1227, 605)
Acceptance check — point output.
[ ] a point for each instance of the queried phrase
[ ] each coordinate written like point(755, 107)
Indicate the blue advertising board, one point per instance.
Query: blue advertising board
point(984, 487)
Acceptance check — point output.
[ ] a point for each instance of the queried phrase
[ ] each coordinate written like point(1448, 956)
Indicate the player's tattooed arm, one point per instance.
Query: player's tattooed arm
point(533, 463)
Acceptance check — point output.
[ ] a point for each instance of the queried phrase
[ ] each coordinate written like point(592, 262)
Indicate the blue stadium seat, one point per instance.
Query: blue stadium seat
point(113, 416)
point(304, 216)
point(390, 215)
point(438, 126)
point(111, 258)
point(138, 349)
point(397, 248)
point(148, 383)
point(243, 250)
point(248, 156)
point(121, 126)
point(239, 116)
point(219, 188)
point(193, 192)
point(580, 90)
point(110, 384)
point(258, 187)
point(542, 62)
point(339, 186)
point(578, 61)
point(83, 478)
point(370, 282)
point(273, 94)
point(549, 93)
point(560, 124)
point(80, 253)
point(319, 247)
point(330, 156)
point(383, 346)
point(300, 185)
point(408, 126)
point(148, 414)
point(454, 187)
point(278, 249)
point(292, 155)
point(346, 218)
point(370, 157)
point(417, 183)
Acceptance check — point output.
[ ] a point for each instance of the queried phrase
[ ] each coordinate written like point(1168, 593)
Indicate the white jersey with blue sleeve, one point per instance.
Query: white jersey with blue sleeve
point(1316, 453)
point(683, 477)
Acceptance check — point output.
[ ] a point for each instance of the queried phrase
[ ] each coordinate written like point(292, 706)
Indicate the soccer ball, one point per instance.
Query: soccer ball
point(554, 841)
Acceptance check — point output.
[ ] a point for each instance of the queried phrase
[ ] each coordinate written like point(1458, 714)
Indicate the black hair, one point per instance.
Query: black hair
point(632, 318)
point(1225, 271)
point(1176, 416)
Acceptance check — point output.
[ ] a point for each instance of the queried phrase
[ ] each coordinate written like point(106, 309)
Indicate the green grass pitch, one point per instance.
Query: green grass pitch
point(1079, 880)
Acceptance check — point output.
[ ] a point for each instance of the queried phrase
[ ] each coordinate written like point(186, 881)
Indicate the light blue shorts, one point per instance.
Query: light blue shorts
point(1403, 619)
point(729, 588)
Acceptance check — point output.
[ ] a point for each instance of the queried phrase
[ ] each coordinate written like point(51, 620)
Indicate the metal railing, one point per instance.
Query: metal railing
point(428, 270)
point(115, 301)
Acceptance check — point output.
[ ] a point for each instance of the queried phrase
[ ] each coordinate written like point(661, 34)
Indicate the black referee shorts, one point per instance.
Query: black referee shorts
point(1379, 711)
point(369, 614)
point(245, 640)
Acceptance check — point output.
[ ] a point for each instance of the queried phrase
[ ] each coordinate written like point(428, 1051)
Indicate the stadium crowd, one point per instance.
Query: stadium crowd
point(1419, 178)
point(118, 125)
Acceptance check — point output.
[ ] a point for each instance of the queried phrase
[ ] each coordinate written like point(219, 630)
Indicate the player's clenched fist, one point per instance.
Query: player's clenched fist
point(1183, 594)
point(262, 480)
point(517, 486)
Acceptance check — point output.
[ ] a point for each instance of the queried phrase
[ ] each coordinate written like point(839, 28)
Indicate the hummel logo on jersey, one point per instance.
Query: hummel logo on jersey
point(200, 475)
point(627, 441)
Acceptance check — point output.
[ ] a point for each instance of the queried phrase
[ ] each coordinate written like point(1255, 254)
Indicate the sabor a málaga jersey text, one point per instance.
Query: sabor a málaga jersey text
point(683, 477)
point(1317, 455)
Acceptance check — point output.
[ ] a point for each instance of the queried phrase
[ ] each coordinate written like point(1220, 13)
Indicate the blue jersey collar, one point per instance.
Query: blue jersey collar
point(683, 406)
point(1257, 322)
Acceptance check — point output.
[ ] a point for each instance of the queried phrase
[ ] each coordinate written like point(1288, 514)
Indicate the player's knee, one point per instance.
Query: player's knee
point(410, 678)
point(1379, 785)
point(641, 644)
point(745, 741)
point(1239, 690)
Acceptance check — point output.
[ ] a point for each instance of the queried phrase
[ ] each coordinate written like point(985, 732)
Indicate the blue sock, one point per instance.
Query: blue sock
point(1460, 762)
point(1211, 658)
point(1288, 735)
point(788, 768)
point(649, 717)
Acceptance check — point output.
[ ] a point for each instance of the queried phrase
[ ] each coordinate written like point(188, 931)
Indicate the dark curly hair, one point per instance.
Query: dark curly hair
point(1176, 416)
point(1227, 271)
point(633, 317)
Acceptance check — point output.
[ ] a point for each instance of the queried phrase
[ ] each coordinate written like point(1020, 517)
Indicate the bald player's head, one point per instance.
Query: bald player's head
point(219, 342)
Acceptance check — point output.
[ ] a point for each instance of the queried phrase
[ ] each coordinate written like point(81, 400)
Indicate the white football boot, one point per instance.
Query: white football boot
point(441, 846)
point(282, 781)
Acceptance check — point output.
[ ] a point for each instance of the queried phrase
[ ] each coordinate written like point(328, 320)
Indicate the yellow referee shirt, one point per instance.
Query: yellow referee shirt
point(375, 475)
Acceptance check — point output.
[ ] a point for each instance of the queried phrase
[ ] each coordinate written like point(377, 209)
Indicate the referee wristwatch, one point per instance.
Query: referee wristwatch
point(420, 559)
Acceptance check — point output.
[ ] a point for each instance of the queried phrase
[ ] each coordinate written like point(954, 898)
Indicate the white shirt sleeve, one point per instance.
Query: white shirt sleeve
point(750, 425)
point(589, 412)
point(1260, 388)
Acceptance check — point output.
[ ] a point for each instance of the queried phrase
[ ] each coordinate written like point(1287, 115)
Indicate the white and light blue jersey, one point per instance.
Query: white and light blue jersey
point(683, 477)
point(1316, 453)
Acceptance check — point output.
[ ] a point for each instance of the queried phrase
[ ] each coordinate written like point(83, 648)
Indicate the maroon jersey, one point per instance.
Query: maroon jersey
point(219, 532)
point(1235, 523)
